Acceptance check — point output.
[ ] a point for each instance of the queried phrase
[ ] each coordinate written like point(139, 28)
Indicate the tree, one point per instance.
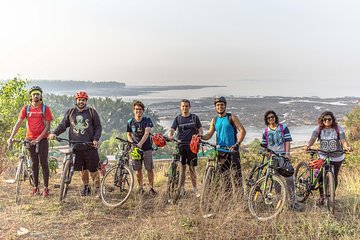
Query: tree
point(13, 96)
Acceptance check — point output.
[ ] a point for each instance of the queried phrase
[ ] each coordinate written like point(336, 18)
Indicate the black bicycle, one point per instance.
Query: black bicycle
point(24, 168)
point(266, 191)
point(307, 181)
point(118, 182)
point(68, 164)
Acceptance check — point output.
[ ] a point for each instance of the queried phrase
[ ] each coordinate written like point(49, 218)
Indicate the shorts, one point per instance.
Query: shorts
point(148, 162)
point(88, 159)
point(187, 156)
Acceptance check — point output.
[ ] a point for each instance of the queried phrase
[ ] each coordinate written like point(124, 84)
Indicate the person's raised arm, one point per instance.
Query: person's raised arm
point(211, 131)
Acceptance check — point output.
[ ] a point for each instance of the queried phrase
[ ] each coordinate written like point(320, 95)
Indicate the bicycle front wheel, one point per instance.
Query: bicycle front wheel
point(116, 186)
point(330, 191)
point(267, 198)
point(173, 186)
point(19, 177)
point(64, 183)
point(302, 182)
point(207, 200)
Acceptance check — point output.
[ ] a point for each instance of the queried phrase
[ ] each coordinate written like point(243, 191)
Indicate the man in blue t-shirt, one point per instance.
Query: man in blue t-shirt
point(187, 125)
point(138, 131)
point(226, 126)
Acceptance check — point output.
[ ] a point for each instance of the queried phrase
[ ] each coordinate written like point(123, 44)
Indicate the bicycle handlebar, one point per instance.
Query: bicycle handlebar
point(26, 141)
point(314, 151)
point(59, 139)
point(272, 152)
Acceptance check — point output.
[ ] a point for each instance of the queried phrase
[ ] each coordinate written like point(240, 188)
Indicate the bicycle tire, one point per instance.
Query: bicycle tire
point(173, 187)
point(302, 181)
point(271, 200)
point(19, 175)
point(64, 186)
point(205, 200)
point(329, 189)
point(116, 186)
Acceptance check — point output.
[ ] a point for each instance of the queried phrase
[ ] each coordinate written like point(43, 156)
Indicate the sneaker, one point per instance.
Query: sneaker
point(141, 191)
point(296, 207)
point(152, 192)
point(196, 193)
point(86, 191)
point(46, 192)
point(320, 201)
point(34, 192)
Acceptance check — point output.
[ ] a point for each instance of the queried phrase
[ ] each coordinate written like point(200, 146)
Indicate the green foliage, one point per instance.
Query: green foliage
point(53, 165)
point(13, 97)
point(352, 123)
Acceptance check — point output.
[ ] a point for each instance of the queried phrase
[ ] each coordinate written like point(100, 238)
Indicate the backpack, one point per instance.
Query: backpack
point(336, 129)
point(231, 122)
point(178, 119)
point(43, 110)
point(282, 132)
point(91, 110)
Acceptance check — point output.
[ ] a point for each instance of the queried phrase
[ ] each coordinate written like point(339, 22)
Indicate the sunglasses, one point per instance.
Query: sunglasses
point(327, 119)
point(270, 117)
point(138, 109)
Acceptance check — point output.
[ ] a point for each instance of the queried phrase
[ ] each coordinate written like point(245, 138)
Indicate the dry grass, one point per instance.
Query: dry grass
point(151, 218)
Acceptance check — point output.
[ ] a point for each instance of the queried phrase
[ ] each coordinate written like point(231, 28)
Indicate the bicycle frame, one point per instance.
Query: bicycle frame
point(68, 166)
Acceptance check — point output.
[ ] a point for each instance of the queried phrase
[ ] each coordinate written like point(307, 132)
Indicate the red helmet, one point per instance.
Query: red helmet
point(159, 140)
point(316, 164)
point(194, 144)
point(81, 94)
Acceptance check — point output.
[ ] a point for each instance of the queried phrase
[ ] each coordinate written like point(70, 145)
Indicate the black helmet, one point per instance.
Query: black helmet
point(35, 88)
point(219, 99)
point(284, 167)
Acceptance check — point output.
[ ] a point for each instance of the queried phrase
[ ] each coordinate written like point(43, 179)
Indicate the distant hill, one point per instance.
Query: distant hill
point(62, 85)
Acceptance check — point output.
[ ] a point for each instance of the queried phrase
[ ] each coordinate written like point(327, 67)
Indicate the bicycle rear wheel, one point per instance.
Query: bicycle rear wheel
point(173, 188)
point(64, 183)
point(116, 186)
point(19, 178)
point(209, 190)
point(267, 198)
point(302, 181)
point(330, 191)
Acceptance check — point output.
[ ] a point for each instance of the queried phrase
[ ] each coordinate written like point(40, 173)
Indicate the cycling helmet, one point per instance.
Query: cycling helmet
point(81, 94)
point(159, 140)
point(285, 168)
point(137, 153)
point(316, 164)
point(194, 144)
point(220, 99)
point(35, 89)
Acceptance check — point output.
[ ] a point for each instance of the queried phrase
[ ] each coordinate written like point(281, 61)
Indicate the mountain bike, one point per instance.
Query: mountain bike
point(24, 169)
point(308, 178)
point(118, 182)
point(68, 165)
point(267, 194)
point(215, 184)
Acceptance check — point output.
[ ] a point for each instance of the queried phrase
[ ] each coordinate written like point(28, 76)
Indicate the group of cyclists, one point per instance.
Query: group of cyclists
point(84, 125)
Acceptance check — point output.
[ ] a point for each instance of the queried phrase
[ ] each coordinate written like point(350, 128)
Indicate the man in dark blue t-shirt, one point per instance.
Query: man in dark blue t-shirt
point(138, 131)
point(187, 125)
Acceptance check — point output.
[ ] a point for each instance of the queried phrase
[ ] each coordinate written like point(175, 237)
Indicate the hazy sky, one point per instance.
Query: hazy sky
point(184, 41)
